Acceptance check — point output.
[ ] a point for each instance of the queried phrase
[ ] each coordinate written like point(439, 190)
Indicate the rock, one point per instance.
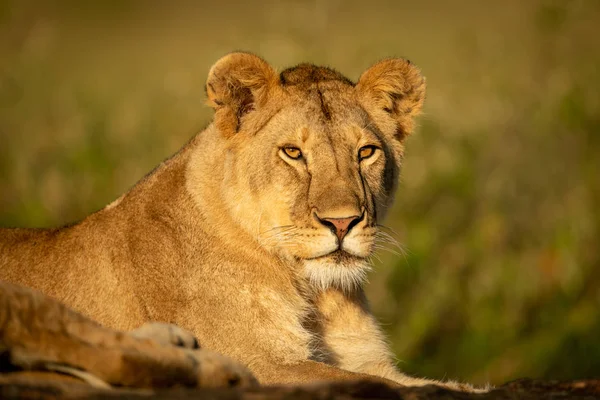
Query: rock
point(50, 386)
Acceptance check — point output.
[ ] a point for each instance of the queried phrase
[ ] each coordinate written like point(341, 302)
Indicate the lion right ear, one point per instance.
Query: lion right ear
point(393, 88)
point(237, 84)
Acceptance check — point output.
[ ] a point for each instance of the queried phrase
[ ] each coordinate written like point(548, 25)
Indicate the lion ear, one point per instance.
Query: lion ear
point(237, 84)
point(394, 87)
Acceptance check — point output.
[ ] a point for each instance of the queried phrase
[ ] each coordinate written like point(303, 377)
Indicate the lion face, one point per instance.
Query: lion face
point(313, 159)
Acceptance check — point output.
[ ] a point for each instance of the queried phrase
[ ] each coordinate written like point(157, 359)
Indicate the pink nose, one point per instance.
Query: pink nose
point(340, 226)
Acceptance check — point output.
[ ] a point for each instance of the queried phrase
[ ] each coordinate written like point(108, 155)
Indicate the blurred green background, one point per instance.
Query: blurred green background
point(498, 210)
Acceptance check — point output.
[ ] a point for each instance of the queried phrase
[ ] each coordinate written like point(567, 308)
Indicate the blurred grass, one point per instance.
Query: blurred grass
point(498, 209)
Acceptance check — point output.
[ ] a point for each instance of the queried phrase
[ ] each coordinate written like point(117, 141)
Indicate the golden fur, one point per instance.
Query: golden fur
point(38, 334)
point(239, 242)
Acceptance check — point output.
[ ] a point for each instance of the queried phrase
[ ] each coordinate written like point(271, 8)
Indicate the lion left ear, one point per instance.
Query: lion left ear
point(238, 84)
point(394, 87)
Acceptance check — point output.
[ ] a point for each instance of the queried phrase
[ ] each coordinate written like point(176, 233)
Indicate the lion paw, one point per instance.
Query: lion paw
point(216, 370)
point(209, 369)
point(166, 334)
point(465, 387)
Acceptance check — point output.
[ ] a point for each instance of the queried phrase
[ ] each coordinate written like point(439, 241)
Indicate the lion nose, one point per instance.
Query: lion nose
point(340, 226)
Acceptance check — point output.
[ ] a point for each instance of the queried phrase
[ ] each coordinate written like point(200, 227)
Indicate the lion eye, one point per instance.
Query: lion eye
point(292, 152)
point(366, 152)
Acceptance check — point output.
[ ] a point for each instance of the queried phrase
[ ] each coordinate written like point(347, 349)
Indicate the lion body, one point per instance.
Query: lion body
point(235, 240)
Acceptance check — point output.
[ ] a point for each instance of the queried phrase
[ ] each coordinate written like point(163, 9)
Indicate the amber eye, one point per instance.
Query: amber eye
point(366, 152)
point(292, 152)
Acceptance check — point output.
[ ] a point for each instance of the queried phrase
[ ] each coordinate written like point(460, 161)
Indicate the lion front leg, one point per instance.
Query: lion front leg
point(352, 334)
point(39, 333)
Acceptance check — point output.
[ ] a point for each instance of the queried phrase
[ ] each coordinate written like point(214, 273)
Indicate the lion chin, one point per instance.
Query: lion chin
point(339, 269)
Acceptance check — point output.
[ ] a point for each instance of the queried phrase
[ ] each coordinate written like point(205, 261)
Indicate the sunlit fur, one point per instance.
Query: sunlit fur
point(40, 334)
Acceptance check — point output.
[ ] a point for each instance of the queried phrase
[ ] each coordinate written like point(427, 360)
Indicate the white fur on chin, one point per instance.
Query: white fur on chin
point(345, 273)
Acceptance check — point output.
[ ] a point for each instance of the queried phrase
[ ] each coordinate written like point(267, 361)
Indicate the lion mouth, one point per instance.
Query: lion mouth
point(338, 256)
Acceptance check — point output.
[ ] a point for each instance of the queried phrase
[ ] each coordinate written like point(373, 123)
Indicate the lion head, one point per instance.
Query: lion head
point(312, 159)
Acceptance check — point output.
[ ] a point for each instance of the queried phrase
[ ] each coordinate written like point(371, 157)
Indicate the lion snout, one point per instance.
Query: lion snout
point(340, 226)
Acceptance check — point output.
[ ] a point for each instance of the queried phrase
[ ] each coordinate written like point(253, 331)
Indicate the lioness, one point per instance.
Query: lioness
point(256, 235)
